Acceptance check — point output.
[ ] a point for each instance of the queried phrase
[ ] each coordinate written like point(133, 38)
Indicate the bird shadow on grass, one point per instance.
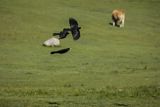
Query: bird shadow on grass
point(121, 104)
point(56, 104)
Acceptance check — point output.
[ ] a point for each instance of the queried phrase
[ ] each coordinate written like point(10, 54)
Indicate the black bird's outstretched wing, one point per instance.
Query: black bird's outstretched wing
point(74, 28)
point(73, 23)
point(61, 51)
point(62, 34)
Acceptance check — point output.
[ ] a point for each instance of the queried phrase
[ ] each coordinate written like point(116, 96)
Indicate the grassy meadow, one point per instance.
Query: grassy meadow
point(107, 67)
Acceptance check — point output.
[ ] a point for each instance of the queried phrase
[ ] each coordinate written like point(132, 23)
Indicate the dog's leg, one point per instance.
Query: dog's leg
point(113, 23)
point(122, 21)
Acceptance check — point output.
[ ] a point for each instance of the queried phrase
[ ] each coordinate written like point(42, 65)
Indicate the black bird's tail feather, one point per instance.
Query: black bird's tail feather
point(54, 34)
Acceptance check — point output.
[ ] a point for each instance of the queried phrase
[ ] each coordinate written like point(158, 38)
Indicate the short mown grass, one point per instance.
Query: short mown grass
point(107, 66)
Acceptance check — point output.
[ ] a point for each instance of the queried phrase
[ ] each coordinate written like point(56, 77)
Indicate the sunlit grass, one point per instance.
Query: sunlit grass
point(107, 66)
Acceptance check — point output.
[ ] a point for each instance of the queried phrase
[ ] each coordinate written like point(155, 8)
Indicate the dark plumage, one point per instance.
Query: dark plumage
point(74, 28)
point(61, 51)
point(62, 34)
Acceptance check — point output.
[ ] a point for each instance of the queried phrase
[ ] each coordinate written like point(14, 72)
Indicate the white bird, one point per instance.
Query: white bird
point(52, 42)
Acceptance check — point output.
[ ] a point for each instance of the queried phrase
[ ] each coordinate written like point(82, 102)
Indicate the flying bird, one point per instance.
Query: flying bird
point(74, 29)
point(62, 34)
point(61, 51)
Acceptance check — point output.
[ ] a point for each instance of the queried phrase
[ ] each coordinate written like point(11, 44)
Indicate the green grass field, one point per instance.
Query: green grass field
point(107, 67)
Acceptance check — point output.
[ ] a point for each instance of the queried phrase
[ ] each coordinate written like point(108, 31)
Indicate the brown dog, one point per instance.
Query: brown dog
point(118, 17)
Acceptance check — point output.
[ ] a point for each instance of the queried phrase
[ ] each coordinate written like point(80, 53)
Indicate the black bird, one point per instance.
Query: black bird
point(61, 51)
point(74, 28)
point(62, 34)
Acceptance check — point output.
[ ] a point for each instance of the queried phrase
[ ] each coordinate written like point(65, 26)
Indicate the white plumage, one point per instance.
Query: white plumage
point(52, 42)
